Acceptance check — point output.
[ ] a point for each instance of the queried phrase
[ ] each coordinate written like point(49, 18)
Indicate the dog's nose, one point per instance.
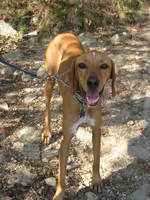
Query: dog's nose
point(92, 82)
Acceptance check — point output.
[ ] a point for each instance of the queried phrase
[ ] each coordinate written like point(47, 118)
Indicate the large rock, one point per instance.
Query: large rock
point(88, 40)
point(140, 193)
point(139, 152)
point(84, 135)
point(6, 29)
point(22, 176)
point(90, 196)
point(29, 144)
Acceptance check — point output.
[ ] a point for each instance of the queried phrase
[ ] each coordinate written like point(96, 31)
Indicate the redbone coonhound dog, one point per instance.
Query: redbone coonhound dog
point(86, 74)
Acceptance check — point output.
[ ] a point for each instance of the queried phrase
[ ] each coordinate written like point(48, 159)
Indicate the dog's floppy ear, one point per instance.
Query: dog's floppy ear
point(113, 77)
point(73, 77)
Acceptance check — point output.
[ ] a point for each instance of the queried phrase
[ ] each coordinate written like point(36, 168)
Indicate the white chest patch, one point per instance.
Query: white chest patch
point(83, 120)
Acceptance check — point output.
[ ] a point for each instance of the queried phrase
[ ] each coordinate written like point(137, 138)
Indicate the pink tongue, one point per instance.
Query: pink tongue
point(92, 97)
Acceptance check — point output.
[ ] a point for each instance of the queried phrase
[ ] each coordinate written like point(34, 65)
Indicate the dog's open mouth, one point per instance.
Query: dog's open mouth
point(92, 97)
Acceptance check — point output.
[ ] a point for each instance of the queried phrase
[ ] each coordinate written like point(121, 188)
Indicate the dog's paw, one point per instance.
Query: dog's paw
point(46, 137)
point(97, 187)
point(58, 195)
point(96, 184)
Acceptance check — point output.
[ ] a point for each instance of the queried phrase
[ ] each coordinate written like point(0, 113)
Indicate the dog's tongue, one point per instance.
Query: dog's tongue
point(92, 97)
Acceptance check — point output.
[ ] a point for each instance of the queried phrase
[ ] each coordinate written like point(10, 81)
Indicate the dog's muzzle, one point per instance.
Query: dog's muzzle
point(92, 82)
point(92, 94)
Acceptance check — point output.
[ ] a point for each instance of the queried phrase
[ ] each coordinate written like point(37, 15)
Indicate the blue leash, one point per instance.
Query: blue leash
point(53, 78)
point(34, 75)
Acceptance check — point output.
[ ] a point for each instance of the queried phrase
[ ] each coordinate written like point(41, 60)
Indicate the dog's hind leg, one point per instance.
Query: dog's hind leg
point(48, 94)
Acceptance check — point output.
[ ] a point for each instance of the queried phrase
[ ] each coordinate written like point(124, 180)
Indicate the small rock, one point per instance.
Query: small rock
point(41, 72)
point(88, 40)
point(4, 106)
point(16, 75)
point(140, 152)
point(86, 179)
point(13, 56)
point(26, 77)
point(48, 154)
point(7, 72)
point(73, 166)
point(115, 39)
point(39, 63)
point(35, 20)
point(125, 35)
point(130, 123)
point(28, 100)
point(11, 97)
point(6, 29)
point(29, 134)
point(90, 196)
point(29, 90)
point(51, 181)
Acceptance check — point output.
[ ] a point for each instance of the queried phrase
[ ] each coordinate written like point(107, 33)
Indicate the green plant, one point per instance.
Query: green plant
point(22, 27)
point(132, 4)
point(21, 20)
point(44, 30)
point(130, 17)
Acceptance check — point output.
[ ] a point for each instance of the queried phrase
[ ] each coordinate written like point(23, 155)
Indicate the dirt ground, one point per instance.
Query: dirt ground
point(26, 165)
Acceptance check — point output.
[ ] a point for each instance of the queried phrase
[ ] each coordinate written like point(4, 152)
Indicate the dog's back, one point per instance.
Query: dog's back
point(61, 48)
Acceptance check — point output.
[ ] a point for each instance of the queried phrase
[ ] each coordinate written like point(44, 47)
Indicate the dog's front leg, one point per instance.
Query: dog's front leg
point(96, 139)
point(48, 94)
point(63, 155)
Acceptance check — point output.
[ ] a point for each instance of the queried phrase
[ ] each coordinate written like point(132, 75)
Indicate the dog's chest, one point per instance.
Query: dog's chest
point(83, 120)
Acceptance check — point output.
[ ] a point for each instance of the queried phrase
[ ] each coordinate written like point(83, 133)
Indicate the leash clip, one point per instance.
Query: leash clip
point(82, 111)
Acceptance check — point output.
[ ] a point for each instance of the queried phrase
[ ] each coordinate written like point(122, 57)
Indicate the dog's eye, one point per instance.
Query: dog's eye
point(82, 65)
point(104, 66)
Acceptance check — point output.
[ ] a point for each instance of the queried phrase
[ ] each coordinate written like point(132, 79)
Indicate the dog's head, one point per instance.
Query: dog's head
point(90, 72)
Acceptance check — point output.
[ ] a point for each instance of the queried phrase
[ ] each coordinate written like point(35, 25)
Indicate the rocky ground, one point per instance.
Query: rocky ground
point(29, 169)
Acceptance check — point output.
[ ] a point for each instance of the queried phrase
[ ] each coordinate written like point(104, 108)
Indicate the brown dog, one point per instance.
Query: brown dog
point(86, 74)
